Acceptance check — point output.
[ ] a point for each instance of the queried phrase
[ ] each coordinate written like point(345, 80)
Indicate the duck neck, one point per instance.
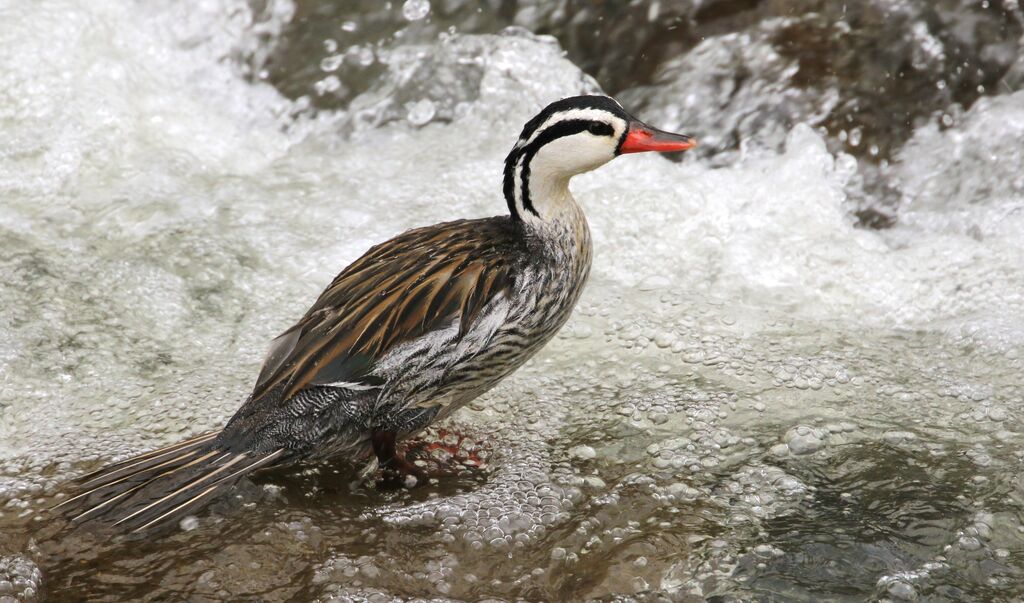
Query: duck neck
point(538, 194)
point(551, 216)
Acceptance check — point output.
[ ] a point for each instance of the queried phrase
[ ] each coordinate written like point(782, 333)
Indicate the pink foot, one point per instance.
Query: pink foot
point(448, 453)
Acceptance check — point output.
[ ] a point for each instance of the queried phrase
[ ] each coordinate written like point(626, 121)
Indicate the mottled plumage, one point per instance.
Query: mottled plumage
point(409, 332)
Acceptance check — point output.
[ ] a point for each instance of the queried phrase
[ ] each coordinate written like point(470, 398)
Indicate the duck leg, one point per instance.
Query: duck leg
point(390, 460)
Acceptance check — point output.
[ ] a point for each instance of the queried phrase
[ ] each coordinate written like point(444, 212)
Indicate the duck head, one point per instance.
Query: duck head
point(569, 137)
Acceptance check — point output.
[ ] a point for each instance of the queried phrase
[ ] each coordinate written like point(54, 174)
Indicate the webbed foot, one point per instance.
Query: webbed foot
point(449, 454)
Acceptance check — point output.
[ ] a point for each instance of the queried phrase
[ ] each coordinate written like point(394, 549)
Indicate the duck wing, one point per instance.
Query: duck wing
point(420, 281)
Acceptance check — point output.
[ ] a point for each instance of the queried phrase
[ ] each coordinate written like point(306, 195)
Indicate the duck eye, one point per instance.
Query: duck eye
point(598, 129)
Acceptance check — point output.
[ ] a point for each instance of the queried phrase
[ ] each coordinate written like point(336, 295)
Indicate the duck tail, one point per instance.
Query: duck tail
point(160, 486)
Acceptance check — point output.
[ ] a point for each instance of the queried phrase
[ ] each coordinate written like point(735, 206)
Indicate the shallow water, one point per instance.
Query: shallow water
point(756, 399)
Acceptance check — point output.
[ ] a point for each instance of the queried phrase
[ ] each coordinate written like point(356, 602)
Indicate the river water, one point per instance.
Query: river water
point(795, 374)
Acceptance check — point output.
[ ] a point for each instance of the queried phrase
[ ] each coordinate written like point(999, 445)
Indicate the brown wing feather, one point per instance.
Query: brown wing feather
point(397, 291)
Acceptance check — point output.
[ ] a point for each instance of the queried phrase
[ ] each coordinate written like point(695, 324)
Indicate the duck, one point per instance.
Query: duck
point(407, 334)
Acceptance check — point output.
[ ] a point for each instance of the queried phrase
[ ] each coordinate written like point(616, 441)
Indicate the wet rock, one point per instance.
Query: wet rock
point(731, 91)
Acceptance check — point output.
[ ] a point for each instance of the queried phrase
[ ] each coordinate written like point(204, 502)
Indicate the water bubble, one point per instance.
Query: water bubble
point(854, 137)
point(414, 10)
point(901, 591)
point(20, 578)
point(327, 85)
point(804, 440)
point(363, 56)
point(583, 452)
point(898, 437)
point(332, 62)
point(421, 112)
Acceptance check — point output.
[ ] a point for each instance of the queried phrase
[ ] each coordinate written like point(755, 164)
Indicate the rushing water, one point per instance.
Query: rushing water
point(757, 398)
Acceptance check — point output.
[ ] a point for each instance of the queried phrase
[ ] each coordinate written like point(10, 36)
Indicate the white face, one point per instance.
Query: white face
point(582, 151)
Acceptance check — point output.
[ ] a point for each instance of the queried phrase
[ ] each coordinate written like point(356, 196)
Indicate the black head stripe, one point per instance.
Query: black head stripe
point(602, 103)
point(524, 155)
point(509, 183)
point(560, 130)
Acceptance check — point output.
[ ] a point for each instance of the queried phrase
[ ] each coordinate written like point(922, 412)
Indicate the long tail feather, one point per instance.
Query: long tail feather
point(187, 500)
point(160, 486)
point(144, 461)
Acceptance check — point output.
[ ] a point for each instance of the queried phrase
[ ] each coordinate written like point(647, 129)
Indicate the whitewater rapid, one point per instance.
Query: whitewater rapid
point(742, 350)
